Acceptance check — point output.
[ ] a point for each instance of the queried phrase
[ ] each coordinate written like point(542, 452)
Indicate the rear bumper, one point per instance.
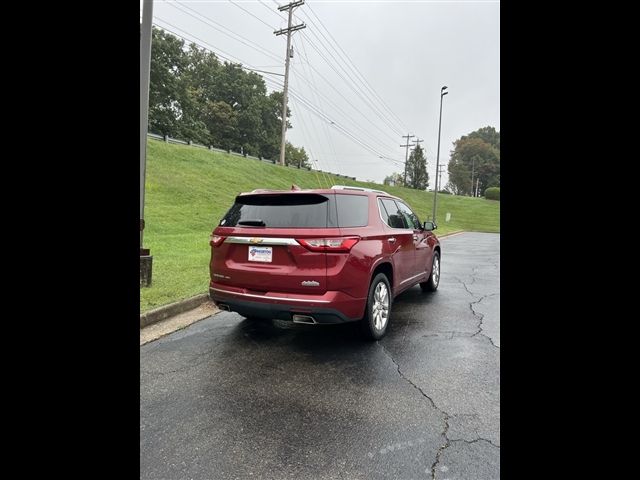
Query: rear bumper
point(331, 307)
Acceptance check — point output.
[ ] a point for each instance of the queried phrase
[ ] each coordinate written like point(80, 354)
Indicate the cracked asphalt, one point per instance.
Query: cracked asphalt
point(230, 399)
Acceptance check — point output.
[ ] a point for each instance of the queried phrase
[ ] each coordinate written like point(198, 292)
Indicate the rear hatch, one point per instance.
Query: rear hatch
point(258, 243)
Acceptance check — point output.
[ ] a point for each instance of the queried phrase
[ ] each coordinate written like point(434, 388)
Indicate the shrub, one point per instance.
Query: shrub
point(492, 193)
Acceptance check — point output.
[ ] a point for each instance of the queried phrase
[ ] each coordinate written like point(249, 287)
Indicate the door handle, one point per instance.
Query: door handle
point(391, 239)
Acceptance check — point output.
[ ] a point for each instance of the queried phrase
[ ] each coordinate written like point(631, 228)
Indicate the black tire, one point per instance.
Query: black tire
point(431, 285)
point(374, 326)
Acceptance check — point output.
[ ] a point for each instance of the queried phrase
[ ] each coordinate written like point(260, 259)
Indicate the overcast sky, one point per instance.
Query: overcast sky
point(405, 50)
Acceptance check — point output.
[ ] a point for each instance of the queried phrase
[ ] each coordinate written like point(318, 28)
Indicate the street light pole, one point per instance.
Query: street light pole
point(435, 191)
point(145, 61)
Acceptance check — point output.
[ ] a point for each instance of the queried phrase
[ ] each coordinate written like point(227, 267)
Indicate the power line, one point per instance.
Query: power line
point(232, 35)
point(209, 48)
point(304, 132)
point(347, 117)
point(366, 97)
point(356, 109)
point(331, 84)
point(356, 70)
point(354, 88)
point(250, 13)
point(271, 10)
point(317, 100)
point(313, 109)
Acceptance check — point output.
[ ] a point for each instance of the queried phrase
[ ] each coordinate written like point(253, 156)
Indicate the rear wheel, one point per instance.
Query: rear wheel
point(431, 285)
point(376, 318)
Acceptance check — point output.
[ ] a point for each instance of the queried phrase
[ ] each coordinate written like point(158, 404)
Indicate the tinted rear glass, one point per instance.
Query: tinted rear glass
point(299, 210)
point(353, 210)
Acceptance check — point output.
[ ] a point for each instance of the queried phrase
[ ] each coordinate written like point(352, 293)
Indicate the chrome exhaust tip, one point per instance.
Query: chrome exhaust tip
point(304, 319)
point(223, 306)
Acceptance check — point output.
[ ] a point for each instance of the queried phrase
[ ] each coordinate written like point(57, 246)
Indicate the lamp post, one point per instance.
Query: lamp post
point(435, 191)
point(146, 260)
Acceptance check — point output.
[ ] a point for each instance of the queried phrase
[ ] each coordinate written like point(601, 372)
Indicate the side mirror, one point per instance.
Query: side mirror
point(429, 226)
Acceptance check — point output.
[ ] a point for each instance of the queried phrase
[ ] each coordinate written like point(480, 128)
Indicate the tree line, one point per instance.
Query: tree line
point(473, 167)
point(475, 163)
point(194, 96)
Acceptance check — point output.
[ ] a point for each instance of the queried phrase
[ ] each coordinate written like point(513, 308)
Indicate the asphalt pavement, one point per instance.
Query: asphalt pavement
point(226, 398)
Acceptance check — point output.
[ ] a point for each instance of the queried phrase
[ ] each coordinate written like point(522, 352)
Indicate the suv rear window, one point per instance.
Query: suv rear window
point(300, 210)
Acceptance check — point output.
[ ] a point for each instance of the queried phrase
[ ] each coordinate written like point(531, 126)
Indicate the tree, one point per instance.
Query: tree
point(395, 179)
point(417, 176)
point(489, 135)
point(296, 157)
point(194, 96)
point(168, 62)
point(477, 155)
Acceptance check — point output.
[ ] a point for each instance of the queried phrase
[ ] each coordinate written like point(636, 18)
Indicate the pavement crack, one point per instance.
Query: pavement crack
point(442, 447)
point(480, 317)
point(475, 441)
point(474, 272)
point(466, 288)
point(433, 404)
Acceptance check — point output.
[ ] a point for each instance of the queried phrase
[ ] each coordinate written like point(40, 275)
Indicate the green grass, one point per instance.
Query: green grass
point(188, 190)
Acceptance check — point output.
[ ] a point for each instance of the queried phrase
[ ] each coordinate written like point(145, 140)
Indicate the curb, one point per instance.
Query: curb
point(171, 310)
point(450, 234)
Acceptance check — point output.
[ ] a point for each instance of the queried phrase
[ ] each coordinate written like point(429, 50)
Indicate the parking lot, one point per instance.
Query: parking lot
point(228, 398)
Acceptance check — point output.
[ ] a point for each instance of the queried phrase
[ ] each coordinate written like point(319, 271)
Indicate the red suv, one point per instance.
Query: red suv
point(321, 256)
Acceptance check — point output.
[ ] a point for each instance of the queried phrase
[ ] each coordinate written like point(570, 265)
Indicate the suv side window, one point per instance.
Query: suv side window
point(391, 214)
point(410, 217)
point(353, 210)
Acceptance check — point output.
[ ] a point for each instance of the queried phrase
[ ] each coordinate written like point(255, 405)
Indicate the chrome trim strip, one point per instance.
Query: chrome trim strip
point(268, 297)
point(264, 241)
point(415, 276)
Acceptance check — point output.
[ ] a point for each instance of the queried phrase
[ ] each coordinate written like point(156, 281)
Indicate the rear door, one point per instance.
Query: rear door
point(260, 251)
point(423, 250)
point(400, 242)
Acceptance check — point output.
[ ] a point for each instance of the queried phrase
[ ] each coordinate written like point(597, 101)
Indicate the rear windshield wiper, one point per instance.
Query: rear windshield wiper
point(253, 223)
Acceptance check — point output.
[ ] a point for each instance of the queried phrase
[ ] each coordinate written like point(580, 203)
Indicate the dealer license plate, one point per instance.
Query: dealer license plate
point(260, 254)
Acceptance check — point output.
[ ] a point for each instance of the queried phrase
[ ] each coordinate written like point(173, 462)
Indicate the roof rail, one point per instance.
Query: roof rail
point(266, 190)
point(361, 189)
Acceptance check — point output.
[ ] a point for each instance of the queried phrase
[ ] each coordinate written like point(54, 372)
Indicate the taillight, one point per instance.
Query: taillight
point(335, 244)
point(215, 240)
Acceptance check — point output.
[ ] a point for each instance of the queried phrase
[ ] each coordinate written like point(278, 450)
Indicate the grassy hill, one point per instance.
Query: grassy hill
point(188, 190)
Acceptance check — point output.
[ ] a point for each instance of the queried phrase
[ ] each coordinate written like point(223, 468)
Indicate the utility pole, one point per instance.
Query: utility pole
point(145, 67)
point(477, 185)
point(288, 31)
point(406, 156)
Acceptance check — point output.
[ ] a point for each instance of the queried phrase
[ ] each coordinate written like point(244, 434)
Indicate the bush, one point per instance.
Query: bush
point(446, 192)
point(492, 193)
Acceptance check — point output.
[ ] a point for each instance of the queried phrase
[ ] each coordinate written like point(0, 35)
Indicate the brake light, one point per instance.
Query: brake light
point(335, 244)
point(216, 240)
